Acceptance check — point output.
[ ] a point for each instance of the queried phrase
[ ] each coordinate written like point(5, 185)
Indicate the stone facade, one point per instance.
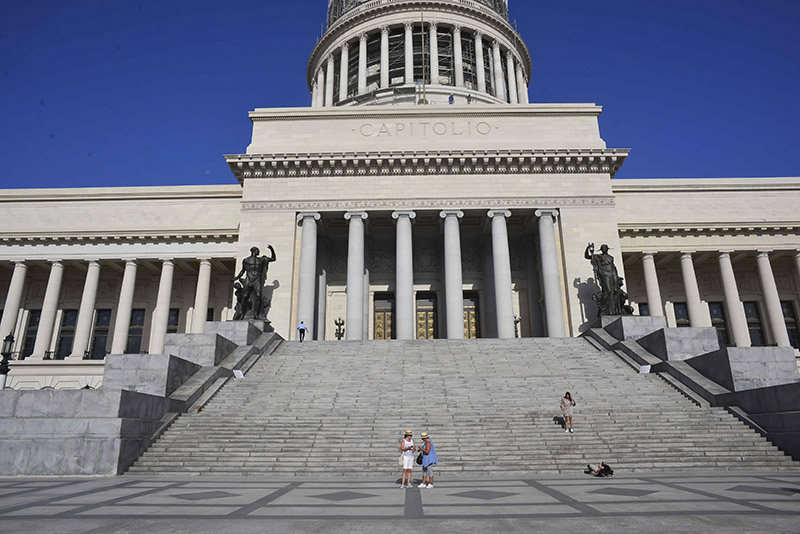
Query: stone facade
point(405, 220)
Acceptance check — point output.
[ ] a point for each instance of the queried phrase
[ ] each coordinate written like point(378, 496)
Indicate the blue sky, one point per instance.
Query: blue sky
point(154, 92)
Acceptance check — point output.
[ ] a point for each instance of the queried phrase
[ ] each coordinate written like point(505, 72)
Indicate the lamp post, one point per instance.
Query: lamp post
point(8, 346)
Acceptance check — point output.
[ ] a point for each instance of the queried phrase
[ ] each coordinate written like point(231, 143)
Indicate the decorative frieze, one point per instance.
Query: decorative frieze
point(453, 162)
point(423, 203)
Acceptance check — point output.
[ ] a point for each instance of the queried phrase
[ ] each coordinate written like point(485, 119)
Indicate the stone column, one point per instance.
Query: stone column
point(513, 95)
point(693, 303)
point(161, 312)
point(329, 82)
point(13, 300)
point(201, 297)
point(343, 72)
point(306, 294)
point(499, 86)
point(502, 274)
point(409, 44)
point(124, 306)
point(458, 57)
point(453, 280)
point(522, 85)
point(314, 94)
point(733, 304)
point(320, 88)
point(355, 275)
point(404, 276)
point(83, 327)
point(362, 64)
point(432, 27)
point(322, 294)
point(654, 302)
point(772, 300)
point(384, 57)
point(551, 279)
point(44, 334)
point(480, 66)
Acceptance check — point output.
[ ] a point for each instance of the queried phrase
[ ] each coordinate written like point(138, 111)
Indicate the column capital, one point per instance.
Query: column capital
point(363, 37)
point(478, 35)
point(451, 213)
point(433, 25)
point(797, 254)
point(496, 44)
point(307, 215)
point(356, 215)
point(344, 47)
point(167, 261)
point(542, 212)
point(404, 213)
point(204, 261)
point(651, 254)
point(93, 262)
point(499, 212)
point(687, 253)
point(314, 84)
point(725, 253)
point(22, 263)
point(331, 59)
point(54, 261)
point(385, 30)
point(409, 25)
point(130, 261)
point(763, 252)
point(456, 28)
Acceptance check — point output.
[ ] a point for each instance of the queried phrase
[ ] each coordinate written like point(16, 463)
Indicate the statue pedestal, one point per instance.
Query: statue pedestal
point(629, 327)
point(243, 332)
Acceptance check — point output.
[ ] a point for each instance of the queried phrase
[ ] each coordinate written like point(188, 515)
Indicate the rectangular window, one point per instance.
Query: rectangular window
point(30, 333)
point(419, 56)
point(488, 67)
point(754, 325)
point(792, 328)
point(681, 314)
point(717, 311)
point(352, 71)
point(373, 61)
point(210, 315)
point(135, 332)
point(644, 310)
point(444, 40)
point(470, 63)
point(397, 56)
point(102, 324)
point(66, 335)
point(174, 319)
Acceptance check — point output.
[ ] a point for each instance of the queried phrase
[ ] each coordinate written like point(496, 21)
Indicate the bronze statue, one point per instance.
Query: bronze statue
point(249, 286)
point(611, 297)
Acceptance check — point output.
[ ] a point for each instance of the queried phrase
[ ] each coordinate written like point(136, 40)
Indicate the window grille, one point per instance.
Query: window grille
point(174, 319)
point(373, 62)
point(102, 324)
point(718, 321)
point(488, 67)
point(352, 69)
point(792, 328)
point(754, 325)
point(29, 339)
point(397, 56)
point(418, 55)
point(681, 314)
point(444, 40)
point(135, 332)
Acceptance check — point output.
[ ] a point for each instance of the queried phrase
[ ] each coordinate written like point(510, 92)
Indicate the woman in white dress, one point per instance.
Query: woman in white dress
point(407, 450)
point(566, 408)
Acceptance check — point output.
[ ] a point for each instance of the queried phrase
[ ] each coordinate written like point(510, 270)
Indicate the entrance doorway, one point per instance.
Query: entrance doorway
point(471, 320)
point(384, 316)
point(426, 316)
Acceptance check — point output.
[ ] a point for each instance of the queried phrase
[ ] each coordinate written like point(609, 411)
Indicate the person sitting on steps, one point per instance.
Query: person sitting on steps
point(600, 470)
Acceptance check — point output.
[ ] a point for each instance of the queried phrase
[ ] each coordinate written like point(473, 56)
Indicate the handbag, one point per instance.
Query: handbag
point(419, 459)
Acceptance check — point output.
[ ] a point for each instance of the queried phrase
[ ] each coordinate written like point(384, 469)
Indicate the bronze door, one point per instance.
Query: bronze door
point(471, 322)
point(384, 319)
point(426, 316)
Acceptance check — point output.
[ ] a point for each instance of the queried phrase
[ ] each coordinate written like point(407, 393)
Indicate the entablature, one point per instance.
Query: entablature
point(444, 162)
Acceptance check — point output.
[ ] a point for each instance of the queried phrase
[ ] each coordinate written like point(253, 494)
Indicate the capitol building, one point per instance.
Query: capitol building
point(420, 195)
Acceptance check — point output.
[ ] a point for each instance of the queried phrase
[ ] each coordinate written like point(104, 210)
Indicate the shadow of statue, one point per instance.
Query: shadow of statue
point(269, 290)
point(585, 292)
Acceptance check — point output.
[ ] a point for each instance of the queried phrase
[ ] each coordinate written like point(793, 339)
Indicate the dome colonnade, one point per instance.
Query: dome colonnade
point(380, 51)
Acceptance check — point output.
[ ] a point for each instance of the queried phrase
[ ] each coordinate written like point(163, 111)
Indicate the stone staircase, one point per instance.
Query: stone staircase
point(336, 408)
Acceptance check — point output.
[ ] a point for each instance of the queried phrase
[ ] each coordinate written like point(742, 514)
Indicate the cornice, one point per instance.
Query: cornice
point(170, 193)
point(426, 203)
point(718, 229)
point(422, 112)
point(127, 237)
point(444, 162)
point(375, 8)
point(702, 185)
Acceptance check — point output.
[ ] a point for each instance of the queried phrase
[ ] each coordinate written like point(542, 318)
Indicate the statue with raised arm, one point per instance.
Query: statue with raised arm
point(250, 285)
point(610, 297)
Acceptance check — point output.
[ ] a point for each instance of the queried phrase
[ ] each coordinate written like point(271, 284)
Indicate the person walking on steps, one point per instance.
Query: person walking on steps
point(428, 460)
point(407, 451)
point(301, 331)
point(566, 408)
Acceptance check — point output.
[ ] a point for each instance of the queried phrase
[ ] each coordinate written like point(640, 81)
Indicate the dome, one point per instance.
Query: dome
point(337, 8)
